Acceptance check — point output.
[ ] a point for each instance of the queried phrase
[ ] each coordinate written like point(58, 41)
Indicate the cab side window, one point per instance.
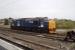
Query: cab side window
point(35, 22)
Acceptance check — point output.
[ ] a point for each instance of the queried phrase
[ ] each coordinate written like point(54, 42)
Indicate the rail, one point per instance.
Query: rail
point(36, 43)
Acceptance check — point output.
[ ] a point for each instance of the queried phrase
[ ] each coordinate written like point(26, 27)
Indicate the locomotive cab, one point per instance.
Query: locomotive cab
point(51, 26)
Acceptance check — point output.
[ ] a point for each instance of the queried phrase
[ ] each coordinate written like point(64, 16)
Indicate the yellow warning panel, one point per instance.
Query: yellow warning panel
point(51, 25)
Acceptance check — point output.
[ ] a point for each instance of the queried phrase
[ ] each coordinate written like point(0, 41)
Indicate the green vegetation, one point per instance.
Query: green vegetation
point(65, 24)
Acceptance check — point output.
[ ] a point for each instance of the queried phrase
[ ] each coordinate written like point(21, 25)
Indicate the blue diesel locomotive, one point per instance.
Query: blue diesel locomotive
point(40, 25)
point(34, 24)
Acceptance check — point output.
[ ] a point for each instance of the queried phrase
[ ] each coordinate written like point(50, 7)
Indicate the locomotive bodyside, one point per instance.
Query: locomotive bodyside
point(40, 25)
point(33, 24)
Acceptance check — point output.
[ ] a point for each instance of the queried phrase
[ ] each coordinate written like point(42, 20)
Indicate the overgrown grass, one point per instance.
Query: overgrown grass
point(65, 24)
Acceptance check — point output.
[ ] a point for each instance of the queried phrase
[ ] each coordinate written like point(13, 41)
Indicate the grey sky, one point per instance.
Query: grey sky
point(33, 8)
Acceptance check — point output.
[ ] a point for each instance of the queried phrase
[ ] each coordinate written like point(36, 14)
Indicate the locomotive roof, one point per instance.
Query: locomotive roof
point(37, 18)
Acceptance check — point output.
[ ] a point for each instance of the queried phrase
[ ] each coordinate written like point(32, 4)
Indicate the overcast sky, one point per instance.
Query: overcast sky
point(33, 8)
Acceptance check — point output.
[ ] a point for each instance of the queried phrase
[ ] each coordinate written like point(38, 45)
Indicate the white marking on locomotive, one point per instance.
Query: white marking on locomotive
point(18, 23)
point(30, 21)
point(41, 25)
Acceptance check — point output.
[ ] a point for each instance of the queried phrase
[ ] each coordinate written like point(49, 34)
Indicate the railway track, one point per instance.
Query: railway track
point(31, 40)
point(43, 35)
point(34, 42)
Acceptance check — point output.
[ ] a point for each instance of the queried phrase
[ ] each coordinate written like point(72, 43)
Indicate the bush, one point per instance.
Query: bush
point(65, 24)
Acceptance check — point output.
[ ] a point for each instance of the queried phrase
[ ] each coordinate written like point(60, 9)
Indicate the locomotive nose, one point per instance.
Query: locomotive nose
point(51, 26)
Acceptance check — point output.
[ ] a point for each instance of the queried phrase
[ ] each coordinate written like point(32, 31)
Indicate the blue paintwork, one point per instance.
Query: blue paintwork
point(30, 23)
